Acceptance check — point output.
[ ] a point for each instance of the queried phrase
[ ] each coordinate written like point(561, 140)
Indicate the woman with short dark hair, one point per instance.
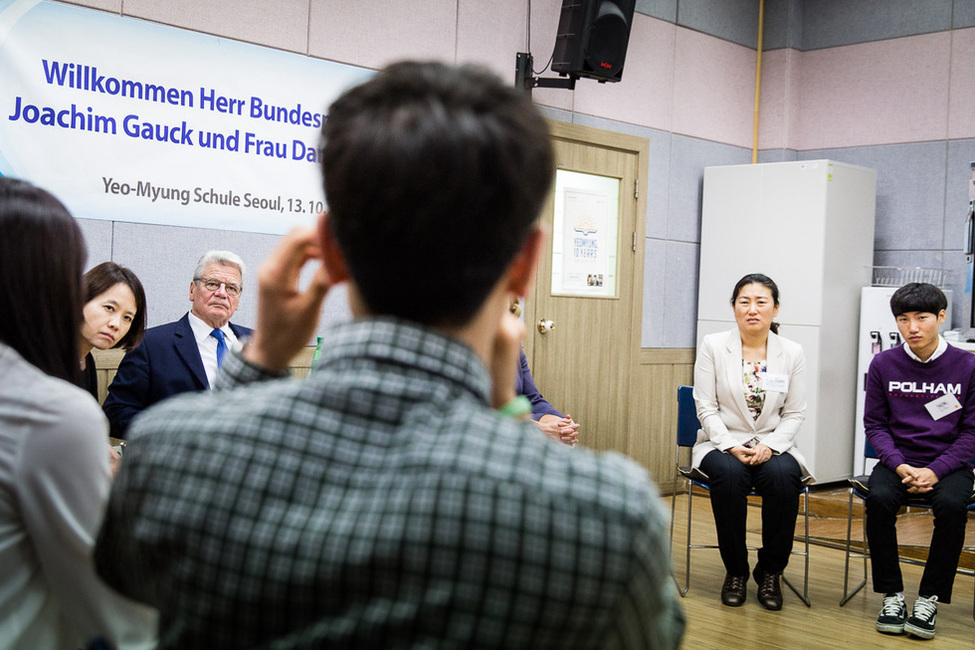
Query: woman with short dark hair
point(54, 472)
point(114, 316)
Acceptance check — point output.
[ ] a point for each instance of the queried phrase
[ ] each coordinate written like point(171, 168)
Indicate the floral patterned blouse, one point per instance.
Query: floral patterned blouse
point(751, 381)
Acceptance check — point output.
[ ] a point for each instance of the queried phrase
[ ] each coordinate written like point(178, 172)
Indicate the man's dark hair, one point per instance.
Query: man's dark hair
point(434, 176)
point(42, 254)
point(103, 277)
point(918, 296)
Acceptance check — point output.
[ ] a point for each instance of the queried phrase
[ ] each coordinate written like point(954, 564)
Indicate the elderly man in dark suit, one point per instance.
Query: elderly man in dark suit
point(184, 355)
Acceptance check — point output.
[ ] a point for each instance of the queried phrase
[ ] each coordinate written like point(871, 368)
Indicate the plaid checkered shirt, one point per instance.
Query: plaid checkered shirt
point(380, 503)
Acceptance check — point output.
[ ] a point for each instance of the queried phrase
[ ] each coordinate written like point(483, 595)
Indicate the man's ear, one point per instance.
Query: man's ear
point(332, 257)
point(521, 272)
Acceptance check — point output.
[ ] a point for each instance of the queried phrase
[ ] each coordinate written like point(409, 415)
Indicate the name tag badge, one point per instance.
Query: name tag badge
point(775, 382)
point(944, 405)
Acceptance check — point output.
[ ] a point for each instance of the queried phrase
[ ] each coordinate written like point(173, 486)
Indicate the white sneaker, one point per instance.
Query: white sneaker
point(921, 622)
point(892, 614)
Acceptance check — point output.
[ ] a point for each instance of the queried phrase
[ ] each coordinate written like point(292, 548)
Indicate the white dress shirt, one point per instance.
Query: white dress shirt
point(938, 351)
point(208, 344)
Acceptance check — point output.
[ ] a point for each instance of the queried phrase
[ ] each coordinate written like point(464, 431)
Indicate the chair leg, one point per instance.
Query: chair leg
point(687, 561)
point(805, 570)
point(847, 595)
point(804, 596)
point(673, 514)
point(866, 545)
point(687, 541)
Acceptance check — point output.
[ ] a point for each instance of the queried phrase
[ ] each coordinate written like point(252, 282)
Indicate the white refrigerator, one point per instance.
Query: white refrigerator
point(809, 226)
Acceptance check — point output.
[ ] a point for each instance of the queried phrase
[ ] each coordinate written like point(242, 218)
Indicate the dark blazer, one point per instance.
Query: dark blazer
point(166, 363)
point(525, 385)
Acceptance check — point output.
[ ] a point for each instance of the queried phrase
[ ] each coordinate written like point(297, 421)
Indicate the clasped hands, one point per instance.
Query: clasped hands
point(562, 429)
point(751, 456)
point(919, 480)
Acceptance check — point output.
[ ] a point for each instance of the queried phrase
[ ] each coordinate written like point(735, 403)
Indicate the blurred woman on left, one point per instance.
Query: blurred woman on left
point(54, 472)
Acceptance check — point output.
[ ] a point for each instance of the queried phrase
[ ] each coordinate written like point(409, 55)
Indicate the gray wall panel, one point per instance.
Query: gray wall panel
point(680, 295)
point(907, 258)
point(961, 153)
point(662, 9)
point(783, 24)
point(963, 15)
point(910, 191)
point(954, 263)
point(658, 196)
point(831, 23)
point(98, 238)
point(654, 287)
point(688, 159)
point(777, 155)
point(731, 20)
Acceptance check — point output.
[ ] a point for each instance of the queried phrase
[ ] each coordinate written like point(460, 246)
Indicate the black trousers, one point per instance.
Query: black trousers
point(949, 502)
point(779, 482)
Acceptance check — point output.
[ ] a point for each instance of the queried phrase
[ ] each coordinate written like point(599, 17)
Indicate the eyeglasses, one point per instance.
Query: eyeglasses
point(212, 284)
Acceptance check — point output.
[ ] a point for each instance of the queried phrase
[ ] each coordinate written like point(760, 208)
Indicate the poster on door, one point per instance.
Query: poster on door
point(585, 229)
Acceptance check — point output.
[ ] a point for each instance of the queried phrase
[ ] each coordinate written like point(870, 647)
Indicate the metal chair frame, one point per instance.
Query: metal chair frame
point(859, 489)
point(687, 428)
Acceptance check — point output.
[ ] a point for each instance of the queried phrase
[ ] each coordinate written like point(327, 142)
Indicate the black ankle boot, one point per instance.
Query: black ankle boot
point(733, 590)
point(769, 591)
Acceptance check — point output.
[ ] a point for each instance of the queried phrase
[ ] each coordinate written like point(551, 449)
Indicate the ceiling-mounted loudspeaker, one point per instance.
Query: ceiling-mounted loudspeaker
point(592, 38)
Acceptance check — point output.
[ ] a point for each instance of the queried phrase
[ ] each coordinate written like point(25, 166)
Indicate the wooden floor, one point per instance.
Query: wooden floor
point(825, 624)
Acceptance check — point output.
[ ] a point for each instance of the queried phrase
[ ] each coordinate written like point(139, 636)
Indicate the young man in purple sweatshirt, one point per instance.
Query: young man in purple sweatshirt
point(920, 418)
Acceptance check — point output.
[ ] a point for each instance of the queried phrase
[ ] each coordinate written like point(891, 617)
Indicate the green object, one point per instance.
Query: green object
point(517, 407)
point(318, 352)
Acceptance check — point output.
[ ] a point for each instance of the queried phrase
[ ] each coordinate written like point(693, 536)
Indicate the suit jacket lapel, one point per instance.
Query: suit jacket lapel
point(239, 332)
point(189, 351)
point(734, 378)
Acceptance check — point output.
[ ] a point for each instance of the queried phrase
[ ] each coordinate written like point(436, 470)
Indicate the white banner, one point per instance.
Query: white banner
point(128, 120)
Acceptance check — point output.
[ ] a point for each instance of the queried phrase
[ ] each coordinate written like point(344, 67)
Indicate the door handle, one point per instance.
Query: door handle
point(545, 326)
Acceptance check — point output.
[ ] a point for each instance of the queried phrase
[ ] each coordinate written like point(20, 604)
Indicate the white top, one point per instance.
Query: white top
point(938, 351)
point(54, 483)
point(208, 344)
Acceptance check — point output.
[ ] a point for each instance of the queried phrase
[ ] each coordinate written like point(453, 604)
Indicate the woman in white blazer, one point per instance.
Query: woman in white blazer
point(749, 388)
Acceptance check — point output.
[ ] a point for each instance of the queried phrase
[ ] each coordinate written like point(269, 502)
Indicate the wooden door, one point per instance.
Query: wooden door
point(584, 365)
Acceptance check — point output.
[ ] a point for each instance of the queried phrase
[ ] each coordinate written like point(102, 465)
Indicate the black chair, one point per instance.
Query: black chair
point(687, 428)
point(860, 490)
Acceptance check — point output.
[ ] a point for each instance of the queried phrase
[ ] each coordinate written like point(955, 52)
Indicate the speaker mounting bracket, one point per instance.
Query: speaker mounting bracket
point(526, 80)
